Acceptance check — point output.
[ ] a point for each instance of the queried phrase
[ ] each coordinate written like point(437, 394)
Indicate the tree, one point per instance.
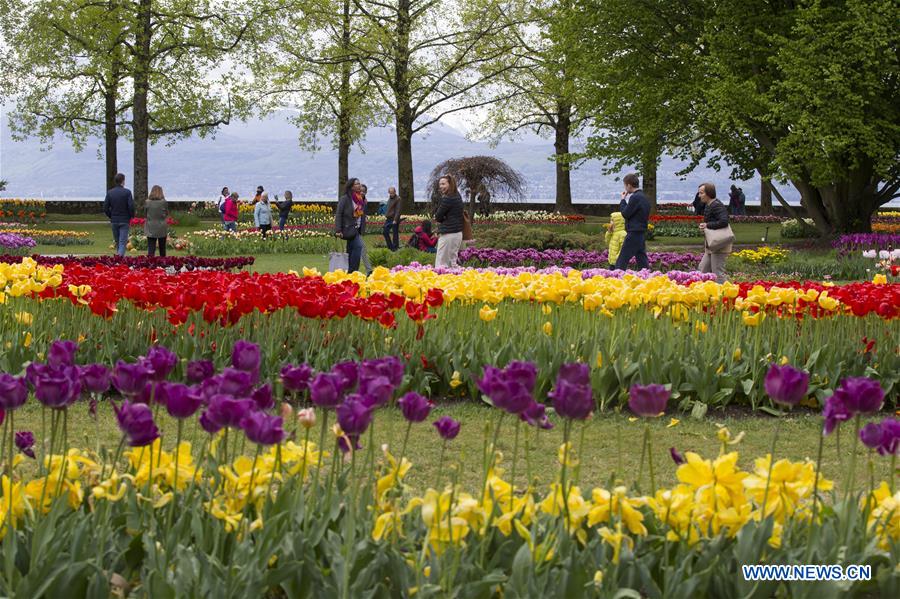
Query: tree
point(474, 173)
point(64, 64)
point(423, 62)
point(538, 92)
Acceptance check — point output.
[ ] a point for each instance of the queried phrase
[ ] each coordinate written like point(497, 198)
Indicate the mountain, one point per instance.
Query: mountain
point(266, 152)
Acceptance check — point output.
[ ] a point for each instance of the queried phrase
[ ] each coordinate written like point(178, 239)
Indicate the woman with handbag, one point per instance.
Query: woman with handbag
point(451, 218)
point(350, 221)
point(717, 232)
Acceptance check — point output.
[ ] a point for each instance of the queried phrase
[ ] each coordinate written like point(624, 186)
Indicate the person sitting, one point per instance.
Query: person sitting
point(615, 236)
point(422, 238)
point(230, 216)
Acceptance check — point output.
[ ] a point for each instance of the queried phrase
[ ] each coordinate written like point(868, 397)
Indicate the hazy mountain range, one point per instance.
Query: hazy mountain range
point(265, 152)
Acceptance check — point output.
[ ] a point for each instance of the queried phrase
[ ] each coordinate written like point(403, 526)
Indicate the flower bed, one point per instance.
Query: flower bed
point(52, 237)
point(763, 255)
point(15, 244)
point(186, 263)
point(23, 211)
point(886, 227)
point(312, 496)
point(573, 258)
point(865, 241)
point(139, 222)
point(216, 242)
point(680, 277)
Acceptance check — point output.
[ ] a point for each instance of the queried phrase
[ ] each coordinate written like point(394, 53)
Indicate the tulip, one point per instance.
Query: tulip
point(676, 456)
point(208, 424)
point(95, 378)
point(136, 422)
point(33, 371)
point(13, 391)
point(536, 415)
point(834, 412)
point(234, 382)
point(25, 443)
point(504, 393)
point(389, 367)
point(524, 373)
point(262, 428)
point(786, 385)
point(890, 437)
point(58, 388)
point(571, 400)
point(648, 400)
point(180, 400)
point(245, 356)
point(296, 378)
point(861, 395)
point(226, 411)
point(577, 373)
point(287, 411)
point(323, 390)
point(61, 353)
point(307, 418)
point(870, 435)
point(415, 408)
point(162, 361)
point(199, 370)
point(376, 391)
point(130, 379)
point(447, 427)
point(263, 397)
point(347, 375)
point(354, 417)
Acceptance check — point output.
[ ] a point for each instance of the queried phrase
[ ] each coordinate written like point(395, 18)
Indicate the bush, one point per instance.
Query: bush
point(188, 219)
point(521, 237)
point(250, 243)
point(403, 256)
point(669, 229)
point(792, 229)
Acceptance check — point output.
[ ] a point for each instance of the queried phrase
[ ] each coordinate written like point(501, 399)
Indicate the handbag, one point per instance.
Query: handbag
point(467, 227)
point(719, 240)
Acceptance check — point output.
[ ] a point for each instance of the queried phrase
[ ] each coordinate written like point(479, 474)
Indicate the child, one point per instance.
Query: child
point(422, 239)
point(615, 236)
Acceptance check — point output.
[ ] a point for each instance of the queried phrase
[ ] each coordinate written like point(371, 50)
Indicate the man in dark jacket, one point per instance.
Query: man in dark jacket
point(635, 208)
point(118, 205)
point(391, 230)
point(284, 209)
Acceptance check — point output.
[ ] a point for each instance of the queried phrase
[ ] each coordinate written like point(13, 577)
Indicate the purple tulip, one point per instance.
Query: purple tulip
point(890, 437)
point(347, 375)
point(226, 411)
point(234, 382)
point(136, 422)
point(263, 397)
point(676, 457)
point(25, 443)
point(208, 424)
point(390, 367)
point(524, 373)
point(323, 390)
point(870, 435)
point(95, 378)
point(415, 408)
point(648, 400)
point(446, 427)
point(577, 373)
point(162, 361)
point(346, 442)
point(571, 400)
point(505, 393)
point(834, 413)
point(861, 395)
point(130, 379)
point(58, 388)
point(262, 428)
point(786, 385)
point(245, 356)
point(354, 416)
point(199, 370)
point(377, 390)
point(180, 400)
point(13, 391)
point(296, 378)
point(33, 371)
point(61, 353)
point(536, 415)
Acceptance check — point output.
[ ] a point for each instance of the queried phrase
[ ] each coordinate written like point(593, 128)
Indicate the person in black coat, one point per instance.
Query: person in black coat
point(698, 205)
point(450, 216)
point(284, 209)
point(715, 217)
point(350, 221)
point(118, 205)
point(635, 208)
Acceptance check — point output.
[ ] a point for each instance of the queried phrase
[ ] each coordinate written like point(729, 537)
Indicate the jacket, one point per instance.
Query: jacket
point(636, 212)
point(392, 214)
point(284, 208)
point(716, 215)
point(345, 222)
point(262, 214)
point(422, 241)
point(118, 205)
point(615, 237)
point(155, 225)
point(450, 215)
point(231, 211)
point(699, 206)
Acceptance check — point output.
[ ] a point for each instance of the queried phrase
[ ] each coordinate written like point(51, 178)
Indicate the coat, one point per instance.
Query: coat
point(262, 214)
point(231, 211)
point(155, 225)
point(450, 215)
point(392, 213)
point(636, 212)
point(118, 205)
point(716, 217)
point(345, 222)
point(615, 237)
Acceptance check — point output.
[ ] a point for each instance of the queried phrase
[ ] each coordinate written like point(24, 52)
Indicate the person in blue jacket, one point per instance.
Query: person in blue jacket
point(635, 209)
point(118, 205)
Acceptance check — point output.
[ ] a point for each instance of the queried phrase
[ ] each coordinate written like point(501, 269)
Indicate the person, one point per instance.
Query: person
point(155, 227)
point(221, 203)
point(391, 229)
point(118, 205)
point(262, 215)
point(450, 217)
point(258, 196)
point(364, 257)
point(715, 217)
point(736, 201)
point(699, 206)
point(284, 209)
point(635, 209)
point(230, 216)
point(615, 236)
point(422, 238)
point(350, 221)
point(484, 200)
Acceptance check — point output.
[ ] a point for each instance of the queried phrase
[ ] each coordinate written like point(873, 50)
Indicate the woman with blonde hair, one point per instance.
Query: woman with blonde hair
point(155, 227)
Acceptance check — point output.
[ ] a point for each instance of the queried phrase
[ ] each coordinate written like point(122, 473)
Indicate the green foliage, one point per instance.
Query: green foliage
point(521, 236)
point(225, 244)
point(792, 229)
point(403, 256)
point(664, 229)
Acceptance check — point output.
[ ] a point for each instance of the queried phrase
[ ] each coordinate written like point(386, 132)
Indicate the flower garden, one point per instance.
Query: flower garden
point(531, 423)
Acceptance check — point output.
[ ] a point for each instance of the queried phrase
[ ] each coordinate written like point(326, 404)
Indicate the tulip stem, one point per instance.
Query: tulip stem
point(565, 491)
point(851, 475)
point(815, 492)
point(893, 470)
point(512, 480)
point(771, 467)
point(640, 476)
point(650, 458)
point(440, 472)
point(315, 486)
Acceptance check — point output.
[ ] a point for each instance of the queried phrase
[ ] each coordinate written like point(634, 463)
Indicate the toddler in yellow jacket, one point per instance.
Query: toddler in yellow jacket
point(615, 235)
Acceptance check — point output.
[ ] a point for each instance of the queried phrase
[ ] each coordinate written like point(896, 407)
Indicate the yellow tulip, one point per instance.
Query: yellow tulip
point(487, 313)
point(24, 318)
point(548, 328)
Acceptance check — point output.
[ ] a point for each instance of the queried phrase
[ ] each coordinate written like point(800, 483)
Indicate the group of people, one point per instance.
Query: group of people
point(627, 230)
point(737, 202)
point(262, 209)
point(118, 205)
point(350, 224)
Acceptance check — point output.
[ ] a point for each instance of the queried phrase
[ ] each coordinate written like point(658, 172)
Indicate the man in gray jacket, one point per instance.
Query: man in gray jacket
point(118, 205)
point(391, 229)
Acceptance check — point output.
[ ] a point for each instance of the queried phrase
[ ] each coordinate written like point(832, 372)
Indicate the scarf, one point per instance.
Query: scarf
point(359, 205)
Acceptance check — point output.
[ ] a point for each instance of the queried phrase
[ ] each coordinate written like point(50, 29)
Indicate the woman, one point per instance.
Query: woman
point(284, 209)
point(230, 216)
point(450, 216)
point(350, 221)
point(262, 215)
point(364, 257)
point(155, 227)
point(715, 216)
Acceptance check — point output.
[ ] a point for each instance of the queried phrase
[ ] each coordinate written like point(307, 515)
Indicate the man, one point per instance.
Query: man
point(391, 229)
point(635, 209)
point(284, 208)
point(118, 205)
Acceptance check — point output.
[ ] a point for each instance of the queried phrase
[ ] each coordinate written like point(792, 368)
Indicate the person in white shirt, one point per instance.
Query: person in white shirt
point(221, 203)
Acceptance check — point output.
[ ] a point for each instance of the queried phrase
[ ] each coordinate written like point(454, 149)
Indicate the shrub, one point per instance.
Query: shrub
point(403, 256)
point(792, 229)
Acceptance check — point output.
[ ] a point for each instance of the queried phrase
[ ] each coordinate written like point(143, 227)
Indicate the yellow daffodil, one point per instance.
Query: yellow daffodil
point(616, 540)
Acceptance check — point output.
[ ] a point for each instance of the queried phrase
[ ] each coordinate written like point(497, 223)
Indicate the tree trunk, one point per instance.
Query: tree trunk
point(561, 147)
point(648, 174)
point(140, 113)
point(765, 197)
point(404, 163)
point(404, 117)
point(111, 136)
point(344, 141)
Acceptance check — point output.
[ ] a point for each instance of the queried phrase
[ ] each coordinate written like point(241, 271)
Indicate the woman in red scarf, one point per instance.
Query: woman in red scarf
point(350, 221)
